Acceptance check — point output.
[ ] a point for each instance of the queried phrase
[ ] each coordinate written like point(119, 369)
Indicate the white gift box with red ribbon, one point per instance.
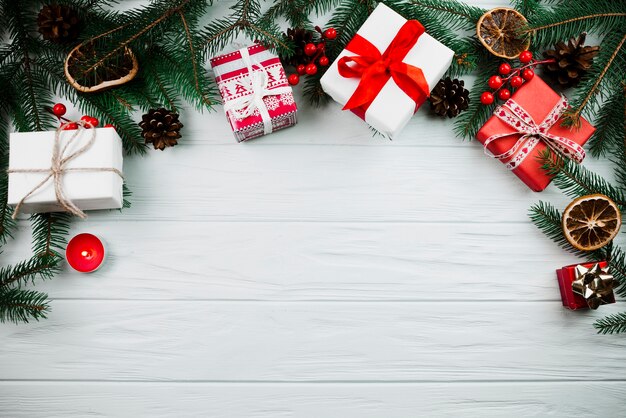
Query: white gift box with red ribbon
point(392, 108)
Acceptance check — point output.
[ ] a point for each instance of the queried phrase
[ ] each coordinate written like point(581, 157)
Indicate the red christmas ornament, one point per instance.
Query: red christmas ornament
point(59, 110)
point(504, 94)
point(311, 69)
point(495, 82)
point(330, 33)
point(310, 49)
point(300, 69)
point(505, 68)
point(516, 81)
point(528, 74)
point(525, 57)
point(323, 61)
point(486, 98)
point(85, 253)
point(293, 79)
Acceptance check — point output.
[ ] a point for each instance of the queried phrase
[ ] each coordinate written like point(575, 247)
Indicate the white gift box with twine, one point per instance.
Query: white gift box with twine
point(73, 170)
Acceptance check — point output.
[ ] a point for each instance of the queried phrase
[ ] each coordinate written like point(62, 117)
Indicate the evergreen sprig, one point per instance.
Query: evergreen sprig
point(612, 324)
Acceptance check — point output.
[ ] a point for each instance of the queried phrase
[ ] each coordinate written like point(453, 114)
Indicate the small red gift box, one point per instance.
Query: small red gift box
point(537, 101)
point(566, 276)
point(257, 97)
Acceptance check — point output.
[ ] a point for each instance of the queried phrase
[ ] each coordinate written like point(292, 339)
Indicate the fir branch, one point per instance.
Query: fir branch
point(449, 13)
point(572, 116)
point(534, 30)
point(28, 271)
point(575, 180)
point(612, 324)
point(194, 64)
point(610, 126)
point(49, 233)
point(18, 305)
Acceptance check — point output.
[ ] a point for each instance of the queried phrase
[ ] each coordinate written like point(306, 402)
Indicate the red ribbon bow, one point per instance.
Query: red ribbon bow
point(375, 69)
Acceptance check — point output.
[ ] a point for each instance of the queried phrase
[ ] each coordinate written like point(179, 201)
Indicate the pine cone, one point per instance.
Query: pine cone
point(572, 60)
point(58, 23)
point(161, 128)
point(300, 37)
point(449, 97)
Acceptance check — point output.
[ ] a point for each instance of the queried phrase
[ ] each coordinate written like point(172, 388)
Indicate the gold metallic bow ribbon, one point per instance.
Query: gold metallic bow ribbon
point(595, 284)
point(58, 168)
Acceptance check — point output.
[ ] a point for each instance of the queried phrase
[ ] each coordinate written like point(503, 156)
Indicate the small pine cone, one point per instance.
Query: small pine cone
point(58, 23)
point(300, 37)
point(161, 128)
point(573, 60)
point(449, 97)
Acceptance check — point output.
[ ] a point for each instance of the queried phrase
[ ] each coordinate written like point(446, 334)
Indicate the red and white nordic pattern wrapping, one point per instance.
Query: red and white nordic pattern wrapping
point(245, 109)
point(516, 117)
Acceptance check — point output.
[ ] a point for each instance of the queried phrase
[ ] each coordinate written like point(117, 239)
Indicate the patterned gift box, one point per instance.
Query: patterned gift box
point(257, 97)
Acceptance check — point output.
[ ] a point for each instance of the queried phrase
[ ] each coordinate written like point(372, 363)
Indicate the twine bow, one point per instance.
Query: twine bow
point(595, 284)
point(375, 69)
point(58, 168)
point(517, 118)
point(258, 84)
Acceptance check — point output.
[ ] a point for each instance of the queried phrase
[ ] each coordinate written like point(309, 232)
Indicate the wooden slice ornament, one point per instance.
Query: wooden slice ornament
point(591, 222)
point(500, 31)
point(90, 67)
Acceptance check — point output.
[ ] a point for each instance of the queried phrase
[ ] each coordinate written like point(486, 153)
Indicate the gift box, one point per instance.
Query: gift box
point(257, 97)
point(526, 125)
point(584, 286)
point(387, 70)
point(88, 169)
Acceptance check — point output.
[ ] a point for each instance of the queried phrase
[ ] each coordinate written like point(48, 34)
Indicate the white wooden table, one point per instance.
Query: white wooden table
point(317, 272)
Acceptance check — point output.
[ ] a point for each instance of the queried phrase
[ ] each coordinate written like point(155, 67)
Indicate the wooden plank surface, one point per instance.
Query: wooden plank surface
point(316, 272)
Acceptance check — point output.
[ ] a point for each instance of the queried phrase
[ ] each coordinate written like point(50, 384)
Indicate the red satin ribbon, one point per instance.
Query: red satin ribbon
point(375, 69)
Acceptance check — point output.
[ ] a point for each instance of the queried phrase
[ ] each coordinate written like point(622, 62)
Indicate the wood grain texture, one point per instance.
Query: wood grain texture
point(288, 261)
point(316, 272)
point(156, 400)
point(311, 341)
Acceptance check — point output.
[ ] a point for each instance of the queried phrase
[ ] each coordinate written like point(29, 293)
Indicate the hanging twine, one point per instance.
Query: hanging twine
point(58, 168)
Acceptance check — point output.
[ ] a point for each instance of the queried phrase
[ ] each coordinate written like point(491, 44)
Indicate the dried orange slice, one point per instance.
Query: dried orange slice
point(500, 31)
point(590, 222)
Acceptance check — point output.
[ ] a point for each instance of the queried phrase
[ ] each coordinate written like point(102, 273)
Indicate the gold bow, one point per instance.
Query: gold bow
point(595, 284)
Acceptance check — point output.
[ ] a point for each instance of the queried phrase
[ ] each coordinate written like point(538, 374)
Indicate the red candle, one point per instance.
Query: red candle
point(85, 253)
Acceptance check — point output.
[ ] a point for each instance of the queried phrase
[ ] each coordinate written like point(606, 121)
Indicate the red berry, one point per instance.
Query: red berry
point(293, 79)
point(310, 49)
point(323, 61)
point(90, 121)
point(525, 57)
point(94, 122)
point(516, 81)
point(486, 98)
point(300, 69)
point(504, 68)
point(504, 94)
point(330, 33)
point(59, 110)
point(311, 69)
point(495, 82)
point(527, 74)
point(108, 125)
point(70, 126)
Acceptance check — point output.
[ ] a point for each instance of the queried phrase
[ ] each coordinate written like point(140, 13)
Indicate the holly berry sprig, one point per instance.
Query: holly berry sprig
point(317, 54)
point(59, 111)
point(513, 77)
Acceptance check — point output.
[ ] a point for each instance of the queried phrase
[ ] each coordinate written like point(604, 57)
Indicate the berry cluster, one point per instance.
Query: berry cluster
point(315, 54)
point(514, 77)
point(59, 110)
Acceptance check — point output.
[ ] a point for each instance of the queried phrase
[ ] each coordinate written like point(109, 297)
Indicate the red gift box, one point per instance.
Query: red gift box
point(238, 86)
point(566, 276)
point(538, 100)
